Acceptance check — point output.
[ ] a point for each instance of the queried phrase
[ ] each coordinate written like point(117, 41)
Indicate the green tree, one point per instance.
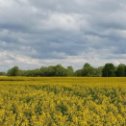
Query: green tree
point(57, 70)
point(70, 71)
point(88, 70)
point(78, 73)
point(120, 71)
point(2, 74)
point(14, 71)
point(50, 71)
point(98, 71)
point(109, 70)
point(60, 70)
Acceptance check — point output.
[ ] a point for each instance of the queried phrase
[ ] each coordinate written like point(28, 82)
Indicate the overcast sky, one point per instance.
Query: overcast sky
point(36, 33)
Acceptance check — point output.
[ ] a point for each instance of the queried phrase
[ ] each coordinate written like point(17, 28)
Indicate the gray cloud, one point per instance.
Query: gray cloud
point(36, 32)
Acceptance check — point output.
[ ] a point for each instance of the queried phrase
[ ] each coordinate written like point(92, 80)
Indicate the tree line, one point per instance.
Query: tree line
point(108, 70)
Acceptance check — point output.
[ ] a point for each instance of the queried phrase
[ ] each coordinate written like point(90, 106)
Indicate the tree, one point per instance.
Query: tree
point(57, 70)
point(50, 71)
point(88, 70)
point(120, 71)
point(14, 71)
point(2, 74)
point(70, 71)
point(97, 72)
point(78, 73)
point(60, 70)
point(108, 70)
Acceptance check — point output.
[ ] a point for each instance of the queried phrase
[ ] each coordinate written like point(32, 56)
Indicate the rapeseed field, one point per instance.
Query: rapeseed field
point(29, 101)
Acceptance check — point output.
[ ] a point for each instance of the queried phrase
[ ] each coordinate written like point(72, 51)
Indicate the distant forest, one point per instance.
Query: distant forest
point(108, 70)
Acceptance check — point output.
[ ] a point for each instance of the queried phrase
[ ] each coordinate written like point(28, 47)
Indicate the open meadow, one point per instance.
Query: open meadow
point(58, 101)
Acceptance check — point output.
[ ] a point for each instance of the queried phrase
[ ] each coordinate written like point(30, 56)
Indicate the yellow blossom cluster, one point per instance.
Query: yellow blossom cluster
point(38, 103)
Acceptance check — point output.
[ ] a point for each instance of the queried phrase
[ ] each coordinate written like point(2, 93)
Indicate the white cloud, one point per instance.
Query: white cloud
point(62, 21)
point(37, 32)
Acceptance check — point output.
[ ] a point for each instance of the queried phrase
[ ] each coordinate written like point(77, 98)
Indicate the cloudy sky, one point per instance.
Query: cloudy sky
point(36, 33)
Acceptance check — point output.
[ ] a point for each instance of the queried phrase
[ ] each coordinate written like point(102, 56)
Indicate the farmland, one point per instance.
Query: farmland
point(58, 101)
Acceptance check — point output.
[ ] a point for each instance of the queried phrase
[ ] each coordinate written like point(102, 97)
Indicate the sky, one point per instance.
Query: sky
point(35, 33)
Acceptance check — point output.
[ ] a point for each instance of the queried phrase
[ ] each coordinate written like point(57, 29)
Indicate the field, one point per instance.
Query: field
point(62, 101)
